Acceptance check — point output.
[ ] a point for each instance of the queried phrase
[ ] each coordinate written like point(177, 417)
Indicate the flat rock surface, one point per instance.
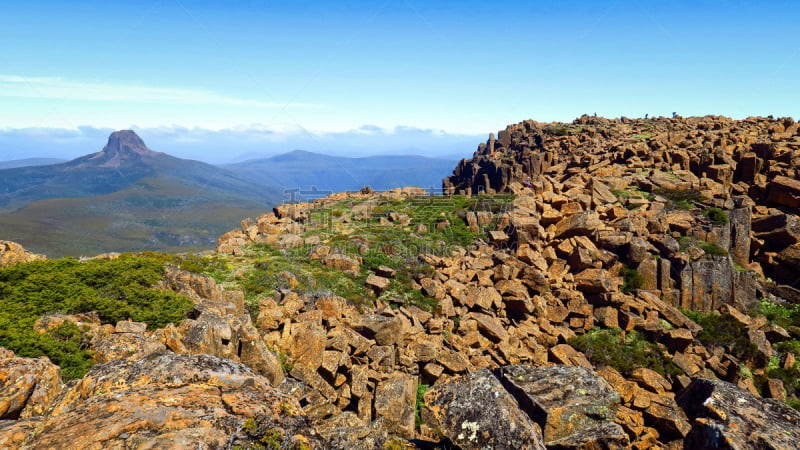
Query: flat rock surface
point(161, 401)
point(564, 400)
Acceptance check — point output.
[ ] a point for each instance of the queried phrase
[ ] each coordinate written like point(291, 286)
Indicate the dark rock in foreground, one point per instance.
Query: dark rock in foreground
point(475, 412)
point(727, 417)
point(566, 401)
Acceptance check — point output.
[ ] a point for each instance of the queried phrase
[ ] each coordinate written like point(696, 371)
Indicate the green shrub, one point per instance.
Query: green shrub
point(421, 390)
point(260, 435)
point(726, 332)
point(786, 315)
point(680, 198)
point(633, 192)
point(632, 280)
point(740, 268)
point(213, 266)
point(557, 130)
point(604, 347)
point(716, 216)
point(712, 249)
point(116, 290)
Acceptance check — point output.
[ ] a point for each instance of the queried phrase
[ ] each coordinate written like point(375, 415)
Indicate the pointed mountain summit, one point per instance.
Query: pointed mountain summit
point(150, 199)
point(125, 141)
point(122, 146)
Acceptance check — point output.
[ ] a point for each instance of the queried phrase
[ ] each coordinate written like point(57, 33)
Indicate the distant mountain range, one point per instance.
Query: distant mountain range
point(128, 197)
point(125, 197)
point(302, 170)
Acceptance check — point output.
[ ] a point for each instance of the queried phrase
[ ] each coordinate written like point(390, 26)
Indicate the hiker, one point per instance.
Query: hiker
point(528, 183)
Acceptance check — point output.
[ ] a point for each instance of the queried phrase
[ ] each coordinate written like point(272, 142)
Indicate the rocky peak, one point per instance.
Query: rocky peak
point(123, 145)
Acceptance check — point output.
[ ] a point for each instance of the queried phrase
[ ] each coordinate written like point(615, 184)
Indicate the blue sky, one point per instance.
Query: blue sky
point(187, 68)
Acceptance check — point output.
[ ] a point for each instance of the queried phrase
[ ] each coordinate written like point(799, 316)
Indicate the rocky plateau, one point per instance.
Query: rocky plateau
point(588, 312)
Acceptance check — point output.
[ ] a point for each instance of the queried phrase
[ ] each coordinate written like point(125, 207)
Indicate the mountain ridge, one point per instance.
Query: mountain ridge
point(304, 169)
point(94, 183)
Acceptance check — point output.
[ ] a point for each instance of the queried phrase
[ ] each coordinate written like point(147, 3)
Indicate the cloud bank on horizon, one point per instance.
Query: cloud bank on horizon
point(250, 76)
point(235, 145)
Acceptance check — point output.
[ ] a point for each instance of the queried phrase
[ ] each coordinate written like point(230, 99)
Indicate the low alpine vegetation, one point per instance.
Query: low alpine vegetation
point(115, 290)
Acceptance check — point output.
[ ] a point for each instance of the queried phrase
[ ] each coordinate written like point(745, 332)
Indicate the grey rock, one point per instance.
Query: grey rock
point(725, 416)
point(563, 400)
point(475, 412)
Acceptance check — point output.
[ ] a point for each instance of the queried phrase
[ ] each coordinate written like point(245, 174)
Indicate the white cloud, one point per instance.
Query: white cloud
point(240, 143)
point(56, 88)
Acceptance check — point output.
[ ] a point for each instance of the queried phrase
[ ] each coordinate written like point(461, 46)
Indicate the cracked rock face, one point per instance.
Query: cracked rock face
point(475, 411)
point(27, 385)
point(727, 417)
point(564, 400)
point(161, 401)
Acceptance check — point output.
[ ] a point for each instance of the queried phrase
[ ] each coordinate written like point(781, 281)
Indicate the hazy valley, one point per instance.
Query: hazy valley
point(130, 198)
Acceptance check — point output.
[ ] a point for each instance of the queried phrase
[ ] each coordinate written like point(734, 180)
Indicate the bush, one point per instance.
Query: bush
point(211, 266)
point(726, 332)
point(116, 290)
point(786, 315)
point(421, 390)
point(717, 216)
point(605, 347)
point(680, 198)
point(632, 280)
point(713, 249)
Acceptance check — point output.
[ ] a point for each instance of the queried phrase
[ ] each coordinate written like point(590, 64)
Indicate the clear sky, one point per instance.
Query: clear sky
point(453, 68)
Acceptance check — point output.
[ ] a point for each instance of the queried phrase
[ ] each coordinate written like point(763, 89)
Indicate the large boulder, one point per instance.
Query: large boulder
point(566, 401)
point(725, 416)
point(125, 345)
point(385, 330)
point(395, 398)
point(784, 191)
point(342, 262)
point(583, 223)
point(13, 253)
point(778, 231)
point(166, 401)
point(28, 386)
point(475, 412)
point(204, 292)
point(228, 336)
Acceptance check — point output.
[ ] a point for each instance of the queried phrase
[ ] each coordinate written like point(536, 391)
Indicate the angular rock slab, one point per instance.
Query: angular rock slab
point(563, 400)
point(164, 401)
point(386, 330)
point(609, 436)
point(394, 402)
point(475, 412)
point(27, 385)
point(728, 417)
point(227, 336)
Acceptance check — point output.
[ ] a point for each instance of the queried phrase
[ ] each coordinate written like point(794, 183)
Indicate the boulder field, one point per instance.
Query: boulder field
point(616, 298)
